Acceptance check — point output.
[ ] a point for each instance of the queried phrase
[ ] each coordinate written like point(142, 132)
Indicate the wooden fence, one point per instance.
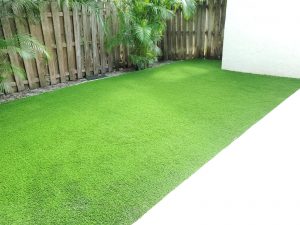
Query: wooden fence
point(76, 42)
point(199, 37)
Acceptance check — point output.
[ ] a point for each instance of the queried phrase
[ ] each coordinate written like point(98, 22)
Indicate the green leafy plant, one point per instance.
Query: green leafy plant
point(142, 24)
point(21, 8)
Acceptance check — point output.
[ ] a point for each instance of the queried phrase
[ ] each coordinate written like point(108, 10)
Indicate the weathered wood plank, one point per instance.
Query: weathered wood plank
point(170, 47)
point(48, 43)
point(179, 35)
point(13, 57)
point(69, 41)
point(108, 19)
point(20, 26)
point(100, 20)
point(202, 25)
point(94, 43)
point(86, 34)
point(210, 26)
point(58, 40)
point(197, 32)
point(35, 31)
point(218, 31)
point(191, 34)
point(222, 24)
point(174, 34)
point(77, 41)
point(165, 45)
point(184, 38)
point(115, 26)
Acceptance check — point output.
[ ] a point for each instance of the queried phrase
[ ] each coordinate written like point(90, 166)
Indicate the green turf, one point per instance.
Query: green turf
point(105, 152)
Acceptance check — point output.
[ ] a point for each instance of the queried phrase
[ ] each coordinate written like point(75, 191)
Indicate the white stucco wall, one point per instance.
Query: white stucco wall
point(262, 37)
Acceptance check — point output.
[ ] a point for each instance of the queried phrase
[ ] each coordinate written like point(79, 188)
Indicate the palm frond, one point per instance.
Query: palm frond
point(143, 32)
point(24, 45)
point(188, 7)
point(21, 8)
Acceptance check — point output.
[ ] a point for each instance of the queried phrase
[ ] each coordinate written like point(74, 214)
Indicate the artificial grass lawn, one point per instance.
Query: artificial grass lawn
point(104, 152)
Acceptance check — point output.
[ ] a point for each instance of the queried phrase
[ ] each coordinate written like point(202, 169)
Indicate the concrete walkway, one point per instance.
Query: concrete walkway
point(254, 181)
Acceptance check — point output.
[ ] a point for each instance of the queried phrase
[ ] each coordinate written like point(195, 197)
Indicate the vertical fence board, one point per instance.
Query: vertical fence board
point(187, 32)
point(215, 51)
point(20, 26)
point(165, 45)
point(7, 32)
point(197, 32)
point(86, 32)
point(58, 40)
point(179, 36)
point(190, 34)
point(102, 51)
point(202, 29)
point(167, 40)
point(184, 44)
point(48, 43)
point(168, 35)
point(77, 41)
point(210, 27)
point(174, 34)
point(101, 41)
point(115, 27)
point(69, 42)
point(110, 21)
point(222, 23)
point(94, 43)
point(101, 38)
point(35, 31)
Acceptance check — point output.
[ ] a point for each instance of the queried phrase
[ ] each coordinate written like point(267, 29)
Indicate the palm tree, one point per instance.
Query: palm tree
point(142, 24)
